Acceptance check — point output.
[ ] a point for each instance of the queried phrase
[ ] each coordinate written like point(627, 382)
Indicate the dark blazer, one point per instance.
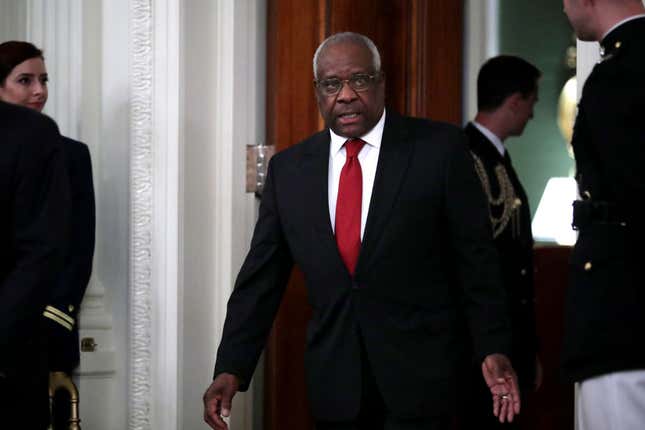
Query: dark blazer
point(606, 299)
point(34, 205)
point(426, 261)
point(67, 292)
point(514, 242)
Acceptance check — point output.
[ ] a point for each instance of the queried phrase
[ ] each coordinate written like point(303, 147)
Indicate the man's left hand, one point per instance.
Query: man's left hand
point(502, 381)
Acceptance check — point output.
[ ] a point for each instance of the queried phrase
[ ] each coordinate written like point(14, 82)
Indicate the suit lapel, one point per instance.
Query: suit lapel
point(314, 179)
point(394, 158)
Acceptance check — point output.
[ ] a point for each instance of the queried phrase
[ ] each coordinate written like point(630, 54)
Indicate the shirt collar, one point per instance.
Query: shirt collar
point(372, 137)
point(492, 137)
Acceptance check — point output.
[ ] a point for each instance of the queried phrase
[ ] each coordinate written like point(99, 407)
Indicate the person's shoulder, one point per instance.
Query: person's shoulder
point(316, 143)
point(434, 134)
point(32, 131)
point(14, 117)
point(73, 143)
point(427, 126)
point(74, 147)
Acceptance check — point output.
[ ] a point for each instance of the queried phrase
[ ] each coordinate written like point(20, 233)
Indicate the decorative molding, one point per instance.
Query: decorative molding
point(141, 215)
point(95, 322)
point(93, 315)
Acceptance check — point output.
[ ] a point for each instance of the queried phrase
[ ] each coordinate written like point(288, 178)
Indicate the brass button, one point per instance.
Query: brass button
point(588, 266)
point(586, 194)
point(523, 272)
point(618, 44)
point(70, 308)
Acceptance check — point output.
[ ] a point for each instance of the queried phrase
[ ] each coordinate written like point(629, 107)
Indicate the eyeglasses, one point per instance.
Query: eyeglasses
point(359, 82)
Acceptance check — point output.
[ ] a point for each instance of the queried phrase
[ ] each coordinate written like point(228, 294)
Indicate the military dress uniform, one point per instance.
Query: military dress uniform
point(34, 202)
point(61, 312)
point(68, 290)
point(511, 221)
point(605, 303)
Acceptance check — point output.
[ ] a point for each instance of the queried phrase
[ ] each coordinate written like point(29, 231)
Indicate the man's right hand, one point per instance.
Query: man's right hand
point(218, 399)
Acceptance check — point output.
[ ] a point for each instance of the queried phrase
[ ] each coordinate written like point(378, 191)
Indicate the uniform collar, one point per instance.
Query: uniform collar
point(496, 141)
point(615, 38)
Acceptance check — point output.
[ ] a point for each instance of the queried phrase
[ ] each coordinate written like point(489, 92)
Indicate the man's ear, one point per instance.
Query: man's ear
point(512, 102)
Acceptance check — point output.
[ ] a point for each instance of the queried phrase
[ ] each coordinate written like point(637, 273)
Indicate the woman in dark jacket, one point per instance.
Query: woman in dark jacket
point(23, 81)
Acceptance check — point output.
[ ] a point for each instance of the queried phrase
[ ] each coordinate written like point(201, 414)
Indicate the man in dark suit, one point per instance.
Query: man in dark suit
point(387, 220)
point(605, 304)
point(34, 197)
point(507, 89)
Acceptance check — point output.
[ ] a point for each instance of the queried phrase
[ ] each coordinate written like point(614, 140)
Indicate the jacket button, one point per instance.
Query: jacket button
point(70, 308)
point(524, 301)
point(523, 272)
point(588, 266)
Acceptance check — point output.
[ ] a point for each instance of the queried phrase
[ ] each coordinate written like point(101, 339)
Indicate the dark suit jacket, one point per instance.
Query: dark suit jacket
point(67, 292)
point(427, 260)
point(34, 202)
point(606, 300)
point(514, 242)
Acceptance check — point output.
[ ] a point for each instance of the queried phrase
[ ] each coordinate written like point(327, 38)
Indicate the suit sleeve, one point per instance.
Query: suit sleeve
point(68, 290)
point(39, 230)
point(258, 291)
point(477, 265)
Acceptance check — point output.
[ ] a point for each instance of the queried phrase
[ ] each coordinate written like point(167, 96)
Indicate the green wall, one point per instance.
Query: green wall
point(539, 32)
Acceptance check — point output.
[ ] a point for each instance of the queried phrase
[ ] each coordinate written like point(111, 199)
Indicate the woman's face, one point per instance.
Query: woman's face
point(26, 85)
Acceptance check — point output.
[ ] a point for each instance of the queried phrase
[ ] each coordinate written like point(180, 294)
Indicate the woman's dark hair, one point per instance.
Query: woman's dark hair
point(13, 53)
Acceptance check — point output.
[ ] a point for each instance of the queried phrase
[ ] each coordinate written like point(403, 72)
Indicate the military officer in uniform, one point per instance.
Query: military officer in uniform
point(23, 81)
point(34, 197)
point(605, 310)
point(507, 89)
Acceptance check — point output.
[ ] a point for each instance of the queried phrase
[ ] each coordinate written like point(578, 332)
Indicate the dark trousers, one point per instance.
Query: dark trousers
point(24, 400)
point(373, 414)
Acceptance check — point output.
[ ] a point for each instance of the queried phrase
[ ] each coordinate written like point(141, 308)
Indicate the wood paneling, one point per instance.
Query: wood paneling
point(552, 406)
point(421, 47)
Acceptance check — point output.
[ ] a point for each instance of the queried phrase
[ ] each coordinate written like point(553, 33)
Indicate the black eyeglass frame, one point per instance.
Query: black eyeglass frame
point(351, 82)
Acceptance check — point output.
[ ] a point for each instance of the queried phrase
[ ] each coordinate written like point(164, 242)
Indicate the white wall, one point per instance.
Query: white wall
point(224, 90)
point(13, 20)
point(481, 41)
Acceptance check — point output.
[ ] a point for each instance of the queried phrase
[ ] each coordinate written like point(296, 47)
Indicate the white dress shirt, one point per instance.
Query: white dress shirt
point(368, 157)
point(492, 137)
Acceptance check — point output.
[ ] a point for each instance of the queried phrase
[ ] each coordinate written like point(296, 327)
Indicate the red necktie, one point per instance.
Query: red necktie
point(348, 206)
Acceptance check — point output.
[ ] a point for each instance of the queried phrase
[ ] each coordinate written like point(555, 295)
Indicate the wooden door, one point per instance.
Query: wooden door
point(420, 42)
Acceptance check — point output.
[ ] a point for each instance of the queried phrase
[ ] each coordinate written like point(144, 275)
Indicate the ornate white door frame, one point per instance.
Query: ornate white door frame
point(157, 83)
